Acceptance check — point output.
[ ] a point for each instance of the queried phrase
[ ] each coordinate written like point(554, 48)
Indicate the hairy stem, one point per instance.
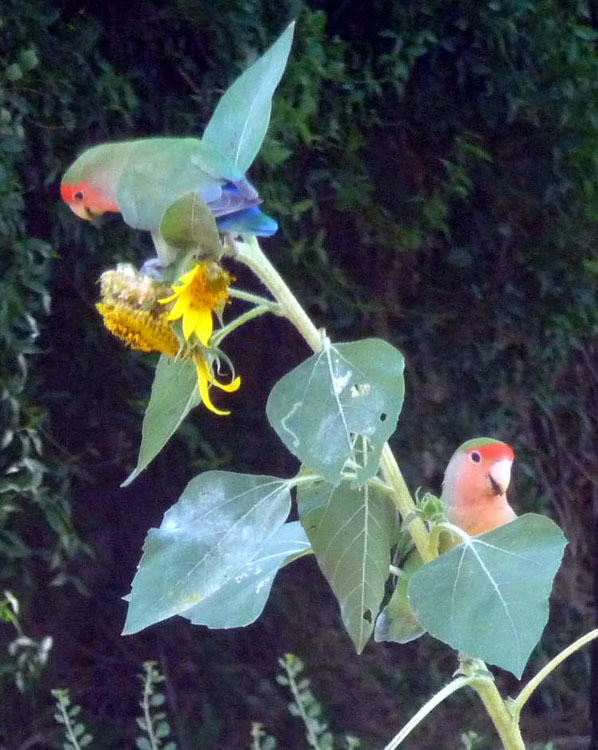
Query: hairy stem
point(506, 724)
point(404, 503)
point(252, 256)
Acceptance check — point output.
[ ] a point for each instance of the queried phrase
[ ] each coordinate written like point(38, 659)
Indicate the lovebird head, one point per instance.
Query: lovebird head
point(475, 485)
point(88, 186)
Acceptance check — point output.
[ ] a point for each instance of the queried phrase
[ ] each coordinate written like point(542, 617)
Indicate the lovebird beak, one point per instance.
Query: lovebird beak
point(500, 476)
point(81, 211)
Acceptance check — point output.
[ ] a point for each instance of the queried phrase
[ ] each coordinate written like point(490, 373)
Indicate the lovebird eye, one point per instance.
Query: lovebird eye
point(78, 196)
point(475, 457)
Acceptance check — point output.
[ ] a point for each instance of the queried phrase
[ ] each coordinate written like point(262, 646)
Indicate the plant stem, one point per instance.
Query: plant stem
point(311, 735)
point(147, 692)
point(506, 724)
point(427, 708)
point(527, 691)
point(404, 503)
point(252, 256)
point(255, 299)
point(245, 317)
point(63, 703)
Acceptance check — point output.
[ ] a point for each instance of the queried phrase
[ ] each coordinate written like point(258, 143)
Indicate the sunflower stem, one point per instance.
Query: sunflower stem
point(505, 722)
point(245, 317)
point(252, 256)
point(527, 691)
point(253, 298)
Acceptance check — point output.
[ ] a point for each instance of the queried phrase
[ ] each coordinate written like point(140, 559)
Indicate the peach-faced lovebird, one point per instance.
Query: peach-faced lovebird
point(140, 179)
point(474, 491)
point(475, 485)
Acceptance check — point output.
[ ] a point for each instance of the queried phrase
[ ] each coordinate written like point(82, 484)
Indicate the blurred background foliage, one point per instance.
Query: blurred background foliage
point(434, 168)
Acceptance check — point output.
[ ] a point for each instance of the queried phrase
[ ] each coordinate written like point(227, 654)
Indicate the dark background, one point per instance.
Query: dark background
point(433, 166)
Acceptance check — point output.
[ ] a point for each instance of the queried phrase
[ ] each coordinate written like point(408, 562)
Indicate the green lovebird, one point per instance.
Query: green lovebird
point(474, 492)
point(141, 179)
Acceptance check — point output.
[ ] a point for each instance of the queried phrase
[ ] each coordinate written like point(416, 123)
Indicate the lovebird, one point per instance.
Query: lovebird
point(141, 178)
point(474, 491)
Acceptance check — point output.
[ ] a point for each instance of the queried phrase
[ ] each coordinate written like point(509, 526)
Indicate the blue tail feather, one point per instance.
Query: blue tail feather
point(248, 221)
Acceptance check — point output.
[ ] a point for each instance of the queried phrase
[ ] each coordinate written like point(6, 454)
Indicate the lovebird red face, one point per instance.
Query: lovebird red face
point(86, 201)
point(486, 469)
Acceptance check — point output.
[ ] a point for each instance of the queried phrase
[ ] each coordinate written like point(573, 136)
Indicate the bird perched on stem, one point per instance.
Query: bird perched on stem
point(141, 179)
point(474, 493)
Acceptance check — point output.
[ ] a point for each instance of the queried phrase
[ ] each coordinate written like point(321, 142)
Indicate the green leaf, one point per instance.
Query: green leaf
point(240, 121)
point(174, 394)
point(320, 408)
point(350, 530)
point(188, 224)
point(489, 597)
point(143, 743)
point(242, 599)
point(221, 522)
point(397, 622)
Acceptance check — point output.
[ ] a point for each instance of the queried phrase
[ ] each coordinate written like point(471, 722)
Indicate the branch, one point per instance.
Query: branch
point(527, 691)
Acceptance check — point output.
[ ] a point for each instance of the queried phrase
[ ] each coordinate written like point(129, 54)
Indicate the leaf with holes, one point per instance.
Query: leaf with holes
point(350, 530)
point(342, 403)
point(489, 597)
point(242, 599)
point(220, 523)
point(174, 394)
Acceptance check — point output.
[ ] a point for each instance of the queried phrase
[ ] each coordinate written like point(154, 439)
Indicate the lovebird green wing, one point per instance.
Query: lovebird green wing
point(157, 171)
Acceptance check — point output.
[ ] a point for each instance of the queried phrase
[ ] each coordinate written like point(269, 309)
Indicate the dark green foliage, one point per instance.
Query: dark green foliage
point(434, 169)
point(25, 487)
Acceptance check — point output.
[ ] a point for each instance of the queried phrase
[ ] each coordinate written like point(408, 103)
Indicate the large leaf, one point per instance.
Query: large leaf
point(350, 530)
point(174, 394)
point(242, 599)
point(220, 523)
point(240, 121)
point(188, 224)
point(489, 597)
point(324, 408)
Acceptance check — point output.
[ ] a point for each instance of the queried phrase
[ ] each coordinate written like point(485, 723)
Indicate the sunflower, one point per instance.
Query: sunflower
point(133, 310)
point(199, 292)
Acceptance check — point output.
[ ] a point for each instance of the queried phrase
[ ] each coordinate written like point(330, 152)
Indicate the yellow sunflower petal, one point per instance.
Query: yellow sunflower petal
point(180, 306)
point(190, 318)
point(228, 387)
point(203, 325)
point(188, 277)
point(203, 381)
point(166, 300)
